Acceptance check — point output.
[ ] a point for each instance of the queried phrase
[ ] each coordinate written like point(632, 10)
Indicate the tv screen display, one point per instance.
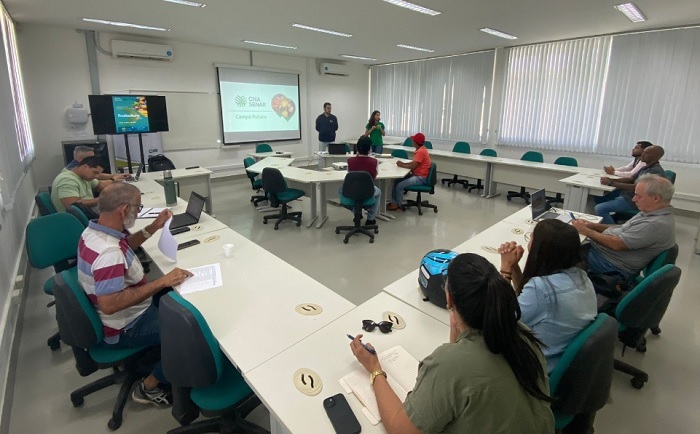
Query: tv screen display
point(128, 114)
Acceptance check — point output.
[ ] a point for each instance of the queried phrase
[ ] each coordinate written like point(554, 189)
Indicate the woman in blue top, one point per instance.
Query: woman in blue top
point(375, 130)
point(556, 297)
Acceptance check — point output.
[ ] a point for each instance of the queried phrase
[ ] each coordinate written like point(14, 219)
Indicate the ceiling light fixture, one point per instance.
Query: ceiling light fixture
point(316, 29)
point(498, 33)
point(413, 7)
point(349, 56)
point(186, 3)
point(121, 24)
point(270, 45)
point(411, 47)
point(632, 12)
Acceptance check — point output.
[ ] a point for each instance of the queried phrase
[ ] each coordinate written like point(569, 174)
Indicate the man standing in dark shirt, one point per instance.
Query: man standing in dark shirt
point(650, 156)
point(363, 162)
point(326, 125)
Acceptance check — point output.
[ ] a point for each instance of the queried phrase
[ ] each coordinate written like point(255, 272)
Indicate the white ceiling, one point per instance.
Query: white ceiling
point(377, 27)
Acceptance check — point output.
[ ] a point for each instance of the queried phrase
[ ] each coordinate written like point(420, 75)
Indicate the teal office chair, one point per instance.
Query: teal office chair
point(279, 195)
point(580, 382)
point(192, 358)
point(535, 157)
point(358, 194)
point(255, 184)
point(479, 185)
point(666, 257)
point(262, 147)
point(81, 328)
point(641, 309)
point(623, 216)
point(562, 161)
point(424, 188)
point(428, 144)
point(347, 149)
point(399, 153)
point(670, 175)
point(408, 142)
point(79, 214)
point(462, 148)
point(52, 241)
point(44, 204)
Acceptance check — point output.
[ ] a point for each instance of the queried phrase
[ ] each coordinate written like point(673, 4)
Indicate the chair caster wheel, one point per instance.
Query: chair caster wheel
point(641, 348)
point(264, 222)
point(376, 231)
point(420, 213)
point(345, 241)
point(114, 424)
point(276, 227)
point(371, 240)
point(435, 210)
point(78, 402)
point(337, 231)
point(637, 383)
point(54, 344)
point(655, 331)
point(508, 199)
point(298, 224)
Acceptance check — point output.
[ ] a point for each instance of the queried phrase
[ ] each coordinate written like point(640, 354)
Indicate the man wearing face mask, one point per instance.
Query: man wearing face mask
point(112, 276)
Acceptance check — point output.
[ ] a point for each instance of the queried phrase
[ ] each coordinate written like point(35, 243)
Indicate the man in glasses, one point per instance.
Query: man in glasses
point(113, 278)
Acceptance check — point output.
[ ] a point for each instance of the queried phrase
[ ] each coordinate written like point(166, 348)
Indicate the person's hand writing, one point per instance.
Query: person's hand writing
point(176, 277)
point(159, 222)
point(511, 253)
point(368, 360)
point(609, 170)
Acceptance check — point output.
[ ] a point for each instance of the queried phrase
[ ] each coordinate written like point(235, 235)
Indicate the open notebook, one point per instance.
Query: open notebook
point(401, 369)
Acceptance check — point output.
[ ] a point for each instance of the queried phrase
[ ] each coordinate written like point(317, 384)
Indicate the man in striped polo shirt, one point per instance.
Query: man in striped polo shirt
point(112, 276)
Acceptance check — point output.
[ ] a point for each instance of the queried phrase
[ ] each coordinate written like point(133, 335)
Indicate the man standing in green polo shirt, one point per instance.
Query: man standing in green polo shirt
point(77, 185)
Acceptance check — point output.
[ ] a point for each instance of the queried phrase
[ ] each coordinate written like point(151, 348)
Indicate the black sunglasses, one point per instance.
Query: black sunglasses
point(368, 325)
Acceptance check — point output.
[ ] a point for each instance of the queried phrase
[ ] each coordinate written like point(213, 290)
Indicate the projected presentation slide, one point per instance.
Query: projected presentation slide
point(130, 114)
point(258, 106)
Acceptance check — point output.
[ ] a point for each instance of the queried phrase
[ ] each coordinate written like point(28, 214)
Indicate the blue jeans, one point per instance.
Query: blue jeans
point(597, 263)
point(371, 211)
point(399, 185)
point(616, 205)
point(377, 149)
point(145, 333)
point(606, 197)
point(322, 146)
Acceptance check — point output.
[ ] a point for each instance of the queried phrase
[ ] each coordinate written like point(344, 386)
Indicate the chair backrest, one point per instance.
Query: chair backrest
point(580, 383)
point(432, 177)
point(358, 186)
point(399, 153)
point(462, 147)
point(158, 163)
point(78, 322)
point(79, 214)
point(533, 156)
point(347, 148)
point(666, 257)
point(488, 153)
point(645, 305)
point(263, 147)
point(247, 162)
point(190, 354)
point(273, 183)
point(670, 175)
point(43, 202)
point(428, 144)
point(408, 142)
point(566, 161)
point(52, 239)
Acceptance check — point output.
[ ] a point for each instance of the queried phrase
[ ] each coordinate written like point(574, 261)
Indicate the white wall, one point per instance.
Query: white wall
point(56, 74)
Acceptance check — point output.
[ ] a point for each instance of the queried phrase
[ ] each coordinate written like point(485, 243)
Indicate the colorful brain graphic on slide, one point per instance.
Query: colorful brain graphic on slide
point(283, 106)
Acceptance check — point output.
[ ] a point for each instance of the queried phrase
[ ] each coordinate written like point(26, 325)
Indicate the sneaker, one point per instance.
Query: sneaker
point(158, 397)
point(393, 207)
point(370, 222)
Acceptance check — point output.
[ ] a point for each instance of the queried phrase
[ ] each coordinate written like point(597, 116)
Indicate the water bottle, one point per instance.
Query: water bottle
point(169, 186)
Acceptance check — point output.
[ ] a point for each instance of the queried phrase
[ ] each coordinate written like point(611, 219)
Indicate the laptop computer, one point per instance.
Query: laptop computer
point(336, 148)
point(539, 205)
point(136, 177)
point(192, 214)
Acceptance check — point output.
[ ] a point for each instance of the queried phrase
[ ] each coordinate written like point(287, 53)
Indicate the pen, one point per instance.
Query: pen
point(572, 215)
point(366, 347)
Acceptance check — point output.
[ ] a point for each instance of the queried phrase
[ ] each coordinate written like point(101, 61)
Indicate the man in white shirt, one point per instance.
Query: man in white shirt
point(634, 166)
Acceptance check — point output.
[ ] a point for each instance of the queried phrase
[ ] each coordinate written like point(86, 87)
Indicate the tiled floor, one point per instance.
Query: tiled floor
point(357, 271)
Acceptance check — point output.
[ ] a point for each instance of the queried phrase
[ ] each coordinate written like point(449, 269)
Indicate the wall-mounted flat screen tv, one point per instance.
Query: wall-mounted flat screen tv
point(128, 114)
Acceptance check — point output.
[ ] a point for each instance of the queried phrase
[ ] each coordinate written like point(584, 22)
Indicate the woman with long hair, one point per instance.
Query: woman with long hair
point(375, 130)
point(556, 297)
point(489, 378)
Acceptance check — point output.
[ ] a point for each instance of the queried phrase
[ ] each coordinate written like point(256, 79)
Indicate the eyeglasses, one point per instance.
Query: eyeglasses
point(140, 207)
point(368, 325)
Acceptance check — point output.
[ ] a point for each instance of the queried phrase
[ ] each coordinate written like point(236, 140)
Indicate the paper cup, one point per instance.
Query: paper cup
point(228, 249)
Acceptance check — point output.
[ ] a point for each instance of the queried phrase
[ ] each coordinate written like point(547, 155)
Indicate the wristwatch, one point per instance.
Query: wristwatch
point(374, 375)
point(145, 233)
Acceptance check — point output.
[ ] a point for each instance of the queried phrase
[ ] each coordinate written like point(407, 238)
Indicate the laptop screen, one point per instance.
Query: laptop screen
point(195, 205)
point(538, 203)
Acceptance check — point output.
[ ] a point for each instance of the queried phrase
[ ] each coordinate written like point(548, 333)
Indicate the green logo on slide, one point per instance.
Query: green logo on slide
point(240, 100)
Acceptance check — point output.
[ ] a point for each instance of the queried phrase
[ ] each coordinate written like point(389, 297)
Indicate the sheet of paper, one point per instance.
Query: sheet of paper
point(205, 277)
point(149, 213)
point(167, 243)
point(566, 218)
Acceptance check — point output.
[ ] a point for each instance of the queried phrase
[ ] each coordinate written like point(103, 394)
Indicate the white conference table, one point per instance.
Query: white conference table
point(261, 155)
point(197, 179)
point(327, 352)
point(582, 185)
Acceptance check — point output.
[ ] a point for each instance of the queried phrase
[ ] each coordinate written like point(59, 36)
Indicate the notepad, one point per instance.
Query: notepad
point(401, 369)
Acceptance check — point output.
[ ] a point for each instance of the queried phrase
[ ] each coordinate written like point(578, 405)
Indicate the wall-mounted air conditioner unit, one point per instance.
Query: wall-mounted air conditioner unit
point(334, 69)
point(141, 50)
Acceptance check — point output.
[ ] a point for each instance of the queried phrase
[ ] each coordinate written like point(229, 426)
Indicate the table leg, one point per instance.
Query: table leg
point(576, 198)
point(276, 427)
point(490, 186)
point(385, 185)
point(210, 200)
point(314, 210)
point(323, 205)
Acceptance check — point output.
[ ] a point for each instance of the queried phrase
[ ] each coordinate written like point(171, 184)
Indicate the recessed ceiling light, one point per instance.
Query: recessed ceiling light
point(186, 3)
point(316, 29)
point(632, 12)
point(411, 47)
point(270, 45)
point(498, 33)
point(120, 24)
point(413, 7)
point(348, 56)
